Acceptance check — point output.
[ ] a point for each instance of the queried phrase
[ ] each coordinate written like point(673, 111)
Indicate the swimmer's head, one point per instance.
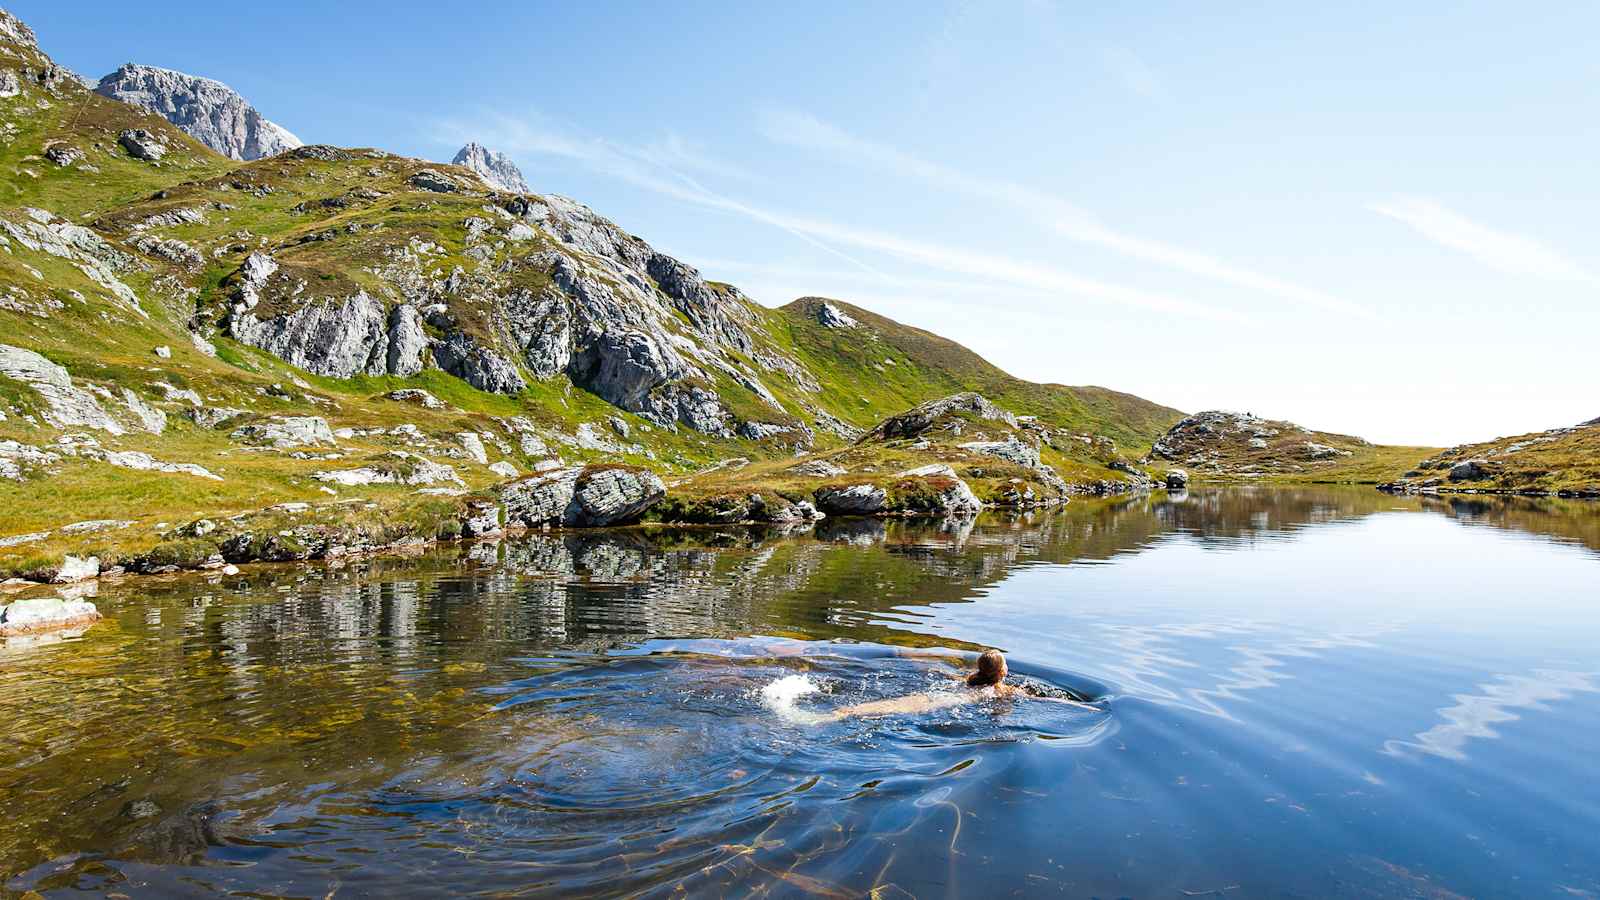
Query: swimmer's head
point(991, 670)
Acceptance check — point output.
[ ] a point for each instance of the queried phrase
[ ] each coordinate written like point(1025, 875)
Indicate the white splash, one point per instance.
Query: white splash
point(780, 697)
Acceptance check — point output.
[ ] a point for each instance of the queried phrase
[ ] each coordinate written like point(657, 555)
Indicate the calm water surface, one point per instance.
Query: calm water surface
point(1305, 692)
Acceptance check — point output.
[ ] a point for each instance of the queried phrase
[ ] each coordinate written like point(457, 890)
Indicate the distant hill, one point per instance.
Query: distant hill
point(1239, 446)
point(1564, 461)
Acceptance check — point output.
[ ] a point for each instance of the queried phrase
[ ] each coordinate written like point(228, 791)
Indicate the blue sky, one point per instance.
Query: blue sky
point(1375, 220)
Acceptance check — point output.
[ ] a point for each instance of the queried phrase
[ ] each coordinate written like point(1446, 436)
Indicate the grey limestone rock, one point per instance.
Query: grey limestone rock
point(581, 496)
point(210, 111)
point(142, 144)
point(287, 431)
point(851, 500)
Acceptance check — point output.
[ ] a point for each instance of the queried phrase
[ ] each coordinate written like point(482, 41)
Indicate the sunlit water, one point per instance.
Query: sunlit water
point(1305, 692)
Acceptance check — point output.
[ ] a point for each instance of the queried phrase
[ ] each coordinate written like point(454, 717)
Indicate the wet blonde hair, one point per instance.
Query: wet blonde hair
point(991, 670)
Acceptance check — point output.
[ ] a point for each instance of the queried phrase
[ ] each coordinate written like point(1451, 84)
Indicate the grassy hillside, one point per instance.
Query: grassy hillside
point(1562, 461)
point(879, 367)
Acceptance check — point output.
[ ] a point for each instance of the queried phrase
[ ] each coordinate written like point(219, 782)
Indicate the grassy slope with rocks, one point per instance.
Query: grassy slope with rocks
point(1229, 446)
point(111, 264)
point(1563, 461)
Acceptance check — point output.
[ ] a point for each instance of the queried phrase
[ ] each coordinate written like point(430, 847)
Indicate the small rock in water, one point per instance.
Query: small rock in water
point(46, 613)
point(74, 568)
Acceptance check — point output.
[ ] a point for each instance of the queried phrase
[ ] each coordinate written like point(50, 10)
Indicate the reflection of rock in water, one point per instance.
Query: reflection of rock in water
point(862, 532)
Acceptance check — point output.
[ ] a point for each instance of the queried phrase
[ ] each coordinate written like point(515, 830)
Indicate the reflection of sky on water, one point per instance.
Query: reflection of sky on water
point(1475, 715)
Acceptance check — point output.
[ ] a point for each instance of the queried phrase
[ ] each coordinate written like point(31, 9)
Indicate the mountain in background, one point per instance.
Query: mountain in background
point(210, 111)
point(495, 168)
point(186, 334)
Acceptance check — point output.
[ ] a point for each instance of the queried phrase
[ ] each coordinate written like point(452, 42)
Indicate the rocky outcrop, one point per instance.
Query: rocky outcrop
point(65, 406)
point(918, 421)
point(210, 111)
point(1022, 454)
point(484, 369)
point(935, 489)
point(830, 316)
point(581, 497)
point(435, 181)
point(142, 144)
point(1242, 445)
point(417, 396)
point(337, 338)
point(1472, 470)
point(16, 31)
point(397, 467)
point(494, 167)
point(851, 500)
point(285, 432)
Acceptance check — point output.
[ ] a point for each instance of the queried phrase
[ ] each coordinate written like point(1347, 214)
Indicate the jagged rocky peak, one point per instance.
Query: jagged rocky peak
point(210, 111)
point(494, 167)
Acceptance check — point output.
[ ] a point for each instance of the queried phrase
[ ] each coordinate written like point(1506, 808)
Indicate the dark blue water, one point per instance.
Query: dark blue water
point(1305, 692)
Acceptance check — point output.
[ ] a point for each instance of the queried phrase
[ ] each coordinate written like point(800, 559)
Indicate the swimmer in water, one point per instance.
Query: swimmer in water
point(988, 681)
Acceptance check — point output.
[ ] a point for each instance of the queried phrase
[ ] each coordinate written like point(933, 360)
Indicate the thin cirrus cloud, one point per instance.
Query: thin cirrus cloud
point(1128, 69)
point(807, 132)
point(651, 168)
point(1511, 253)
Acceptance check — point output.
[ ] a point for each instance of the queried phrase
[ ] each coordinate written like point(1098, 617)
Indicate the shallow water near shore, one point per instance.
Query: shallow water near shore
point(1298, 692)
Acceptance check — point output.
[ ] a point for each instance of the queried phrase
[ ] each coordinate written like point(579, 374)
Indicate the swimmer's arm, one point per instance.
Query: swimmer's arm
point(915, 703)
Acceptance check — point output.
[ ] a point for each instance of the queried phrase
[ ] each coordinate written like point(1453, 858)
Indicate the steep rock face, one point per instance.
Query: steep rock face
point(555, 291)
point(493, 167)
point(210, 111)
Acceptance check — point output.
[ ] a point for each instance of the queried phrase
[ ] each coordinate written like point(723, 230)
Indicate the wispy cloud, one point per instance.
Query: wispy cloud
point(1502, 250)
point(1132, 73)
point(808, 132)
point(652, 171)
